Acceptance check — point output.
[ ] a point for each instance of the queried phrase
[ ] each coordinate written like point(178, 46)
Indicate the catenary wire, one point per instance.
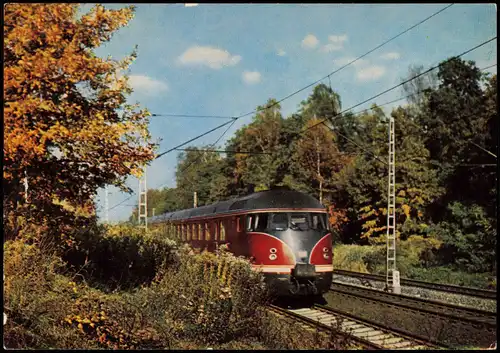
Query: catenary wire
point(233, 120)
point(330, 74)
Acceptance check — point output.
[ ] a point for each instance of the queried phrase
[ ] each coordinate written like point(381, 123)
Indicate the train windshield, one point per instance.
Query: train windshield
point(281, 221)
point(306, 221)
point(318, 221)
point(299, 221)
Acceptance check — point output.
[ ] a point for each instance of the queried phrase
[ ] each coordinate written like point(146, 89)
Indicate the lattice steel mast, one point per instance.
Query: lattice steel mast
point(143, 201)
point(392, 275)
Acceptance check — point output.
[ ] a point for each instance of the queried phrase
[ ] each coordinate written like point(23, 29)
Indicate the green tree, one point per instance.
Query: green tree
point(322, 103)
point(362, 184)
point(264, 169)
point(469, 238)
point(196, 171)
point(316, 158)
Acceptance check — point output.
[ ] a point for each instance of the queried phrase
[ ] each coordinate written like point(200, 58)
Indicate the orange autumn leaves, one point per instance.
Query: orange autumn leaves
point(59, 96)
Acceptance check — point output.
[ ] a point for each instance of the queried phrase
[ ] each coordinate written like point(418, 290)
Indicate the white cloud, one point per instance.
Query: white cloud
point(370, 73)
point(310, 42)
point(214, 58)
point(251, 77)
point(281, 52)
point(337, 39)
point(331, 47)
point(346, 60)
point(190, 4)
point(391, 56)
point(337, 43)
point(147, 85)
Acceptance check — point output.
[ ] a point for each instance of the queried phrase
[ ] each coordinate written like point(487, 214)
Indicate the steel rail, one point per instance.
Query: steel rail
point(403, 333)
point(456, 312)
point(484, 328)
point(470, 291)
point(369, 334)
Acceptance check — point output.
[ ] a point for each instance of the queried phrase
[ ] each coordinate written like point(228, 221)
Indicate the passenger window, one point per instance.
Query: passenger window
point(299, 221)
point(261, 222)
point(195, 231)
point(279, 221)
point(207, 232)
point(200, 232)
point(222, 231)
point(216, 232)
point(238, 224)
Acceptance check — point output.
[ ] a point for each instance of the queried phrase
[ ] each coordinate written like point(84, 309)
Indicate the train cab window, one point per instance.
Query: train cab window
point(250, 219)
point(222, 231)
point(318, 221)
point(279, 221)
point(299, 221)
point(261, 221)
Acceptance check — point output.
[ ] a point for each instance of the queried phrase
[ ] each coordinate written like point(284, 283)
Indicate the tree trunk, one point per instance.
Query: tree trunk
point(318, 160)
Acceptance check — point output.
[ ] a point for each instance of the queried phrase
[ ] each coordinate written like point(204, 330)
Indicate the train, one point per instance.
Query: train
point(284, 233)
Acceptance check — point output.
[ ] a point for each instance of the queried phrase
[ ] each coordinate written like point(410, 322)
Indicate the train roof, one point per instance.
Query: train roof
point(269, 199)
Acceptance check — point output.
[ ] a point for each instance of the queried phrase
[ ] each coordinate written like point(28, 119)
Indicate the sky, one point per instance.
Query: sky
point(226, 59)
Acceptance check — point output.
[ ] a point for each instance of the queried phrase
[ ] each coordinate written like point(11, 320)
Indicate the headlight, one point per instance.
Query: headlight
point(273, 250)
point(325, 249)
point(273, 257)
point(326, 256)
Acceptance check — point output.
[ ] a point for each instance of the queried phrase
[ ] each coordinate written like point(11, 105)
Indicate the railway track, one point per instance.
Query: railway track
point(473, 292)
point(368, 334)
point(447, 323)
point(427, 306)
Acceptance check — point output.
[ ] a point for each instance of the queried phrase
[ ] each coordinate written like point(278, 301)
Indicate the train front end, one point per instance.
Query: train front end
point(293, 250)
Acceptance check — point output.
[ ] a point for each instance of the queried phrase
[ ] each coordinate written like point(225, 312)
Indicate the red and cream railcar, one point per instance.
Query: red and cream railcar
point(284, 233)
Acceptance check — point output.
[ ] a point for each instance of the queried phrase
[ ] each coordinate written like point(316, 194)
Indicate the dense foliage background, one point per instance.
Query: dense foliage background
point(446, 142)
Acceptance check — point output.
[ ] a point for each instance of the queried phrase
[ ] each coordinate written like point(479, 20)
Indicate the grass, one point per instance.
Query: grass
point(147, 293)
point(412, 262)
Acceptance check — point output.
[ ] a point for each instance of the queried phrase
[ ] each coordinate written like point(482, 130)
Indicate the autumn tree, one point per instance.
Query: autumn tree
point(68, 126)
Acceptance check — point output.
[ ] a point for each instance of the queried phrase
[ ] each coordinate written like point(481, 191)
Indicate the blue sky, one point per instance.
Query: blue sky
point(227, 59)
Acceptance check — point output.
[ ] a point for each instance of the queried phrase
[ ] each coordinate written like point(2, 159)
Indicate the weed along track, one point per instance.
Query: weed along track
point(365, 333)
point(442, 322)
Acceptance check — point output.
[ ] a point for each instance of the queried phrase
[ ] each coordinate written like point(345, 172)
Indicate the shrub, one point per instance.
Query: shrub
point(120, 257)
point(36, 299)
point(447, 274)
point(351, 257)
point(415, 252)
point(469, 238)
point(212, 297)
point(204, 299)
